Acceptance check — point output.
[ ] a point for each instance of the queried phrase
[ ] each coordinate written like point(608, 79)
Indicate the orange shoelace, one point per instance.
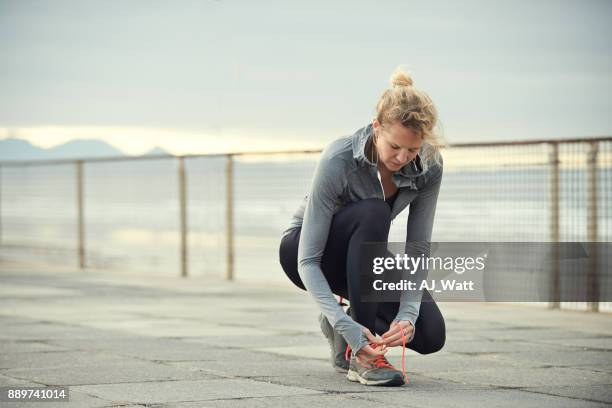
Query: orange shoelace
point(381, 361)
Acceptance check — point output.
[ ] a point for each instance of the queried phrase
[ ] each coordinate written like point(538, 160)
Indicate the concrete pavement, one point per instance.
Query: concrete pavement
point(119, 339)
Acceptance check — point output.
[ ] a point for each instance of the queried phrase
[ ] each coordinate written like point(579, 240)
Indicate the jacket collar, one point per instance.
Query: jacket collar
point(409, 172)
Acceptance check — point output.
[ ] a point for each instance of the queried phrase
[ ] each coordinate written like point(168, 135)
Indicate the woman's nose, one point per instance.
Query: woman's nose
point(403, 157)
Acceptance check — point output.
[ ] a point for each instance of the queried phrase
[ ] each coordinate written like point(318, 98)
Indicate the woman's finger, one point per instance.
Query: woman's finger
point(371, 352)
point(394, 330)
point(395, 343)
point(367, 353)
point(395, 339)
point(371, 337)
point(390, 341)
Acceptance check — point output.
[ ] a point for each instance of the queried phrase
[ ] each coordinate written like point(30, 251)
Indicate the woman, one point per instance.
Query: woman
point(360, 184)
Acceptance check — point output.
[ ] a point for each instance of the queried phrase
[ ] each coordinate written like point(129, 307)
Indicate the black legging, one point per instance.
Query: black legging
point(362, 221)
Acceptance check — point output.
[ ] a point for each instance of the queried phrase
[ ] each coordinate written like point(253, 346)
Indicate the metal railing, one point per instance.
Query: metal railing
point(229, 209)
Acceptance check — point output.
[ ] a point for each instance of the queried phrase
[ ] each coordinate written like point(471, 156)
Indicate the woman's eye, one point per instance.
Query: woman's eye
point(394, 147)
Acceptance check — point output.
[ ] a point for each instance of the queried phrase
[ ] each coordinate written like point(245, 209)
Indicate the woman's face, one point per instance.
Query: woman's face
point(397, 145)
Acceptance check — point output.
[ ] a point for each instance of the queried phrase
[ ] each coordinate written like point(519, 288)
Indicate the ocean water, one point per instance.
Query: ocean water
point(132, 212)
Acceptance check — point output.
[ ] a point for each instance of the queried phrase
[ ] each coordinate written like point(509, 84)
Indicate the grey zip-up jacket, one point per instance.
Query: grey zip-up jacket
point(344, 175)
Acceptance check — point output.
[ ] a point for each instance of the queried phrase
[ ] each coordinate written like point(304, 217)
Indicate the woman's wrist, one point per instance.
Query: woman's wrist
point(354, 336)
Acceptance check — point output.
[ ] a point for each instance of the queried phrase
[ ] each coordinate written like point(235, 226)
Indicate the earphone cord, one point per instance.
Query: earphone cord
point(372, 151)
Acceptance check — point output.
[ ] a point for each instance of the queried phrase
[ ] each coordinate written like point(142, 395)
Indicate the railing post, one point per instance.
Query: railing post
point(592, 278)
point(229, 216)
point(80, 214)
point(0, 205)
point(182, 178)
point(555, 288)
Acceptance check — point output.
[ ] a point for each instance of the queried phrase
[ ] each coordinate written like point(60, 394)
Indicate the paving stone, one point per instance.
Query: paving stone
point(77, 400)
point(331, 381)
point(255, 342)
point(310, 401)
point(464, 335)
point(40, 332)
point(318, 351)
point(444, 362)
point(455, 325)
point(27, 346)
point(154, 349)
point(57, 359)
point(477, 398)
point(105, 374)
point(164, 349)
point(121, 339)
point(176, 329)
point(531, 334)
point(6, 381)
point(532, 377)
point(603, 343)
point(257, 367)
point(185, 391)
point(6, 319)
point(593, 392)
point(496, 346)
point(30, 290)
point(556, 358)
point(601, 368)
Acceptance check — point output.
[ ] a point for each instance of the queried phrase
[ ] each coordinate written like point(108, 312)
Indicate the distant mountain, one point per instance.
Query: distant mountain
point(155, 151)
point(17, 149)
point(12, 149)
point(83, 148)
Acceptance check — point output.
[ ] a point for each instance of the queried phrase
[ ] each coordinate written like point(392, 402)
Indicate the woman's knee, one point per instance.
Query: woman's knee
point(370, 213)
point(433, 338)
point(288, 259)
point(286, 255)
point(374, 207)
point(437, 342)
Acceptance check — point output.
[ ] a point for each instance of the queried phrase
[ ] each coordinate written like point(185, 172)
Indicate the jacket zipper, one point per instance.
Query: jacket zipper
point(381, 184)
point(382, 188)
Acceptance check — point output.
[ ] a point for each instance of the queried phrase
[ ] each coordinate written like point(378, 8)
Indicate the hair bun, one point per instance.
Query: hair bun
point(400, 78)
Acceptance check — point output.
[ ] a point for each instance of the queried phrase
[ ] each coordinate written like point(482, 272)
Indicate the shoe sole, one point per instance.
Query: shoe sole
point(329, 335)
point(396, 381)
point(340, 369)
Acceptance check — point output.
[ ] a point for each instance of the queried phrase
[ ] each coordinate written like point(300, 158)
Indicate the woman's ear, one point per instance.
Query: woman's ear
point(376, 127)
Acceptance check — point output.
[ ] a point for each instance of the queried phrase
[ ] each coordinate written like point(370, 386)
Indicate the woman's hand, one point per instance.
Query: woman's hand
point(393, 337)
point(368, 353)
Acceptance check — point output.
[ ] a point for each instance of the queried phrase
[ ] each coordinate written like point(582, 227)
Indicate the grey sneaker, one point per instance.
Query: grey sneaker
point(378, 372)
point(337, 344)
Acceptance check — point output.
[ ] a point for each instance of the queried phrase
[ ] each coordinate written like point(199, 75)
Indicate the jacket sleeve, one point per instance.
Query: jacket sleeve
point(418, 236)
point(327, 185)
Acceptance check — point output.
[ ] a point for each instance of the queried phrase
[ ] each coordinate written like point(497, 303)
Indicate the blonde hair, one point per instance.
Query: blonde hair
point(412, 108)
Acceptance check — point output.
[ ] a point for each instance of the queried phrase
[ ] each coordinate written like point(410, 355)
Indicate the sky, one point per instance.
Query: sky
point(212, 76)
